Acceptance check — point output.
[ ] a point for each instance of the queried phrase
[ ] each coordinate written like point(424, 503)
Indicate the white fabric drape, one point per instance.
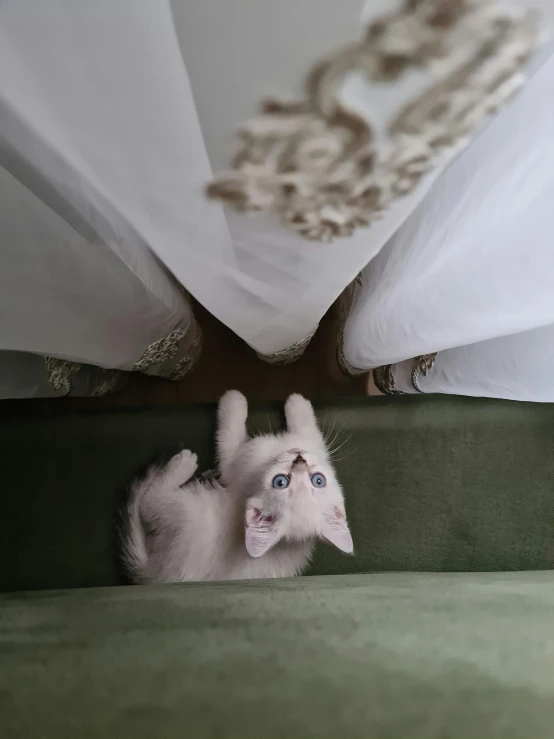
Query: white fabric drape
point(97, 97)
point(273, 286)
point(77, 279)
point(284, 283)
point(515, 367)
point(114, 104)
point(65, 292)
point(471, 273)
point(123, 110)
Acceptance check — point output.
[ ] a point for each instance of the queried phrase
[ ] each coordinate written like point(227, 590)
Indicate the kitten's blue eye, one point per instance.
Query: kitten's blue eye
point(318, 480)
point(280, 482)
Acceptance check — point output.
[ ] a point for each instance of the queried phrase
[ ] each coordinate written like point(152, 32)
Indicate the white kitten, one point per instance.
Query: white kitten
point(277, 494)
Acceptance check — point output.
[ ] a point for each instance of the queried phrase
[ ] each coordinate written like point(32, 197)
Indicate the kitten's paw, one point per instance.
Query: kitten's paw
point(298, 405)
point(233, 406)
point(182, 466)
point(299, 413)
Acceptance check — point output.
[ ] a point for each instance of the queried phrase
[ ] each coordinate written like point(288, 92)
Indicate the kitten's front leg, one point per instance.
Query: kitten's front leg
point(179, 469)
point(231, 431)
point(300, 416)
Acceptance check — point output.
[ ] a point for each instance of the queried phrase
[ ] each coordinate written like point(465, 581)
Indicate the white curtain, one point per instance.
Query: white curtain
point(271, 285)
point(97, 97)
point(81, 163)
point(470, 274)
point(126, 109)
point(515, 367)
point(114, 115)
point(68, 292)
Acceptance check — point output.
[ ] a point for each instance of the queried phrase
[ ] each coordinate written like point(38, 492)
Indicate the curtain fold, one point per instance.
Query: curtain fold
point(115, 116)
point(470, 274)
point(515, 367)
point(26, 375)
point(79, 284)
point(332, 172)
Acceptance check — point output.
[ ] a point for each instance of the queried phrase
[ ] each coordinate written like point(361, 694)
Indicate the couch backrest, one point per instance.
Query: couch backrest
point(432, 484)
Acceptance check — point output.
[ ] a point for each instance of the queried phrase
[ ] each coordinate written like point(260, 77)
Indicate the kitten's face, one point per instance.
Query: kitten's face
point(297, 496)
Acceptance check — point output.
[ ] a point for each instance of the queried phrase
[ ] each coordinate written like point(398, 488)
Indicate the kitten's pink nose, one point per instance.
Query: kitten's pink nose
point(299, 460)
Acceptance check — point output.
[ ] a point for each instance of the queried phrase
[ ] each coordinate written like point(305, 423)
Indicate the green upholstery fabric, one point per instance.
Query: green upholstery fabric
point(372, 656)
point(432, 484)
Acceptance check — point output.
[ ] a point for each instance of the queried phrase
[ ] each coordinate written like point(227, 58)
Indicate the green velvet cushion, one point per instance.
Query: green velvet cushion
point(393, 656)
point(432, 484)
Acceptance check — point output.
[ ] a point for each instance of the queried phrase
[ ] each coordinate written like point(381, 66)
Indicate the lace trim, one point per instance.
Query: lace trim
point(108, 382)
point(319, 165)
point(348, 298)
point(290, 354)
point(186, 364)
point(173, 356)
point(384, 377)
point(422, 366)
point(59, 373)
point(161, 358)
point(384, 380)
point(160, 351)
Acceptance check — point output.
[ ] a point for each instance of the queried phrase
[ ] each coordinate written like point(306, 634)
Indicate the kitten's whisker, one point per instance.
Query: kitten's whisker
point(335, 437)
point(337, 448)
point(349, 454)
point(333, 448)
point(330, 430)
point(341, 459)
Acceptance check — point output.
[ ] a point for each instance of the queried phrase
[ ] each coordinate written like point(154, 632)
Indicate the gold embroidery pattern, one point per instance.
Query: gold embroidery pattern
point(318, 164)
point(384, 380)
point(384, 377)
point(108, 382)
point(160, 351)
point(290, 354)
point(187, 363)
point(347, 300)
point(68, 377)
point(422, 366)
point(174, 355)
point(59, 372)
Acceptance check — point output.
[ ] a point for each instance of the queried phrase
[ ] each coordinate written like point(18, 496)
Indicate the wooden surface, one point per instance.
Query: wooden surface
point(227, 363)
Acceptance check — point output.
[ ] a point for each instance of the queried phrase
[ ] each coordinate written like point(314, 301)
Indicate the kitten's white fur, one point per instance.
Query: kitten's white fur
point(241, 527)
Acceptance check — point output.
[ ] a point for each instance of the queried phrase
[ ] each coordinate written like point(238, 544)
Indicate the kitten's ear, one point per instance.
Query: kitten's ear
point(261, 531)
point(335, 530)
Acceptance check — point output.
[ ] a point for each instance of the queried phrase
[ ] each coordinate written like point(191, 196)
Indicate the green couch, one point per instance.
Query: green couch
point(441, 625)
